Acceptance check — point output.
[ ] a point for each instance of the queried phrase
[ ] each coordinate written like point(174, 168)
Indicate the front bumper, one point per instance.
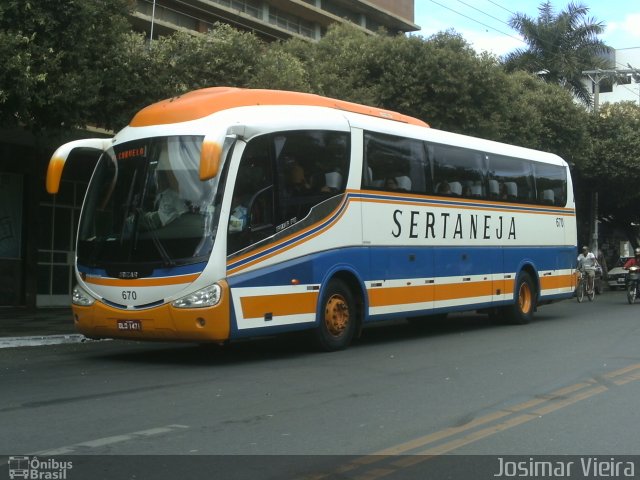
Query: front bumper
point(164, 322)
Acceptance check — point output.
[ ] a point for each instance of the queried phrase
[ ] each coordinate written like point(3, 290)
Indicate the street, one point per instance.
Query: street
point(566, 384)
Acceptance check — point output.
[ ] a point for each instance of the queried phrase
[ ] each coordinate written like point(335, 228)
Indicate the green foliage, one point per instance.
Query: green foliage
point(222, 56)
point(277, 68)
point(339, 63)
point(141, 73)
point(53, 55)
point(614, 168)
point(544, 116)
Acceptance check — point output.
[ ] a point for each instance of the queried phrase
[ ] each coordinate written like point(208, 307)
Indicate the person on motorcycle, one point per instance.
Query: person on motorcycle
point(633, 261)
point(587, 264)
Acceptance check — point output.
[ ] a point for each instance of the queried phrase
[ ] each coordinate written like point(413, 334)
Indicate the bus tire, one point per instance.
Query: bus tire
point(521, 312)
point(337, 322)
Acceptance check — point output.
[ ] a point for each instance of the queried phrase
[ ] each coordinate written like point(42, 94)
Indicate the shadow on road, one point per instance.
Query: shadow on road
point(297, 345)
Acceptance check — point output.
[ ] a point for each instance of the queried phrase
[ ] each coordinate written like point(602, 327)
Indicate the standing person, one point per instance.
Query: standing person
point(602, 261)
point(587, 264)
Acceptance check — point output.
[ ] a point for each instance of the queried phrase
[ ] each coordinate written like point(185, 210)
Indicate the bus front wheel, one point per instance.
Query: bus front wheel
point(521, 311)
point(337, 322)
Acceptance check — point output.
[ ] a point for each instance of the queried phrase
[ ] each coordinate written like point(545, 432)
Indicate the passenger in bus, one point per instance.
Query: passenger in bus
point(168, 205)
point(297, 183)
point(443, 188)
point(504, 194)
point(390, 184)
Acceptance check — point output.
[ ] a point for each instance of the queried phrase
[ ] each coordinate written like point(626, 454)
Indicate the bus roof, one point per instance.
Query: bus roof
point(202, 103)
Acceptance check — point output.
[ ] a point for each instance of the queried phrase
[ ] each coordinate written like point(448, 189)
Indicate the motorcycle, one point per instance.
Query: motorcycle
point(633, 284)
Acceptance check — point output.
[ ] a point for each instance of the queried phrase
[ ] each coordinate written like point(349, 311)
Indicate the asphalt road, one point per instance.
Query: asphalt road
point(566, 384)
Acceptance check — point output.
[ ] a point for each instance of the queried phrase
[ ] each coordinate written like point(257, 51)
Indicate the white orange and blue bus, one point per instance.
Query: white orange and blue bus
point(229, 213)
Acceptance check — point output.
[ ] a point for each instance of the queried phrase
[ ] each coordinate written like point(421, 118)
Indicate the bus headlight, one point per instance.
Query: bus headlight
point(82, 298)
point(207, 297)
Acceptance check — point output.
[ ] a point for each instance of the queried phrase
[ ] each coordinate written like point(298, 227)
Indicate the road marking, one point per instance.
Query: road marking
point(101, 442)
point(450, 439)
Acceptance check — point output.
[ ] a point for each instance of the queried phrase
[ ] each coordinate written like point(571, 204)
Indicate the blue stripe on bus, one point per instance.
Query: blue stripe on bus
point(409, 262)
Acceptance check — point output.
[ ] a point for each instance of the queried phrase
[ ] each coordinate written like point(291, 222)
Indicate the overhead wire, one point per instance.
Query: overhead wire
point(484, 13)
point(477, 21)
point(498, 5)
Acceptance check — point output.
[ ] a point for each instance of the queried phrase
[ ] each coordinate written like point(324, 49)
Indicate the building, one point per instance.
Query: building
point(37, 230)
point(274, 19)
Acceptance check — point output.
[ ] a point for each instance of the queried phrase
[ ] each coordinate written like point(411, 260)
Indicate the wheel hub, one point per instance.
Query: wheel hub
point(336, 315)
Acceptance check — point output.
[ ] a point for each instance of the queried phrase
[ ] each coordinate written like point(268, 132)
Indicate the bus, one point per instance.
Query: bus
point(228, 213)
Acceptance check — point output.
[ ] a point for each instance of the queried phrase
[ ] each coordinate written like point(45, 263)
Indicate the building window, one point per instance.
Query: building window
point(291, 23)
point(250, 7)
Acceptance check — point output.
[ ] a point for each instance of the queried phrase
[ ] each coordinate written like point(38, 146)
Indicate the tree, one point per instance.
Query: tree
point(53, 56)
point(543, 116)
point(277, 68)
point(338, 64)
point(560, 46)
point(141, 73)
point(614, 167)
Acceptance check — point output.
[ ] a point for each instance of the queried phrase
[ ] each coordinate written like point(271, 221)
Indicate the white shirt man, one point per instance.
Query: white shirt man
point(587, 263)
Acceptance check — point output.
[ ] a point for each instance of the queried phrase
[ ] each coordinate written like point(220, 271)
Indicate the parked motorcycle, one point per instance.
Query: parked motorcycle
point(633, 284)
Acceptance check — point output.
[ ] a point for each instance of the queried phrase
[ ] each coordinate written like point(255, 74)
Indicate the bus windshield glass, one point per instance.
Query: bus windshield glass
point(146, 205)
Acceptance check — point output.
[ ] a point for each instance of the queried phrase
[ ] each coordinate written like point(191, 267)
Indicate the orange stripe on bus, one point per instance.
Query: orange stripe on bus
point(557, 281)
point(142, 282)
point(279, 305)
point(381, 297)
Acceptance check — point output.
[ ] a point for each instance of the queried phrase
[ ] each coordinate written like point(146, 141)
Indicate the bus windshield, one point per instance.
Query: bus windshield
point(146, 205)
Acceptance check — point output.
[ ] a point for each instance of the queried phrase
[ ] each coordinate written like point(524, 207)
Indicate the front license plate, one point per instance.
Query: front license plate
point(621, 280)
point(130, 325)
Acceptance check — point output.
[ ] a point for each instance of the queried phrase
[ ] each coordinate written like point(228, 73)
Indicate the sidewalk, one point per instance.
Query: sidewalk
point(43, 326)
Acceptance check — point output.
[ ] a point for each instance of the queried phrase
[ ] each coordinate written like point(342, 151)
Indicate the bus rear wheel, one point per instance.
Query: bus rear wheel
point(521, 311)
point(337, 322)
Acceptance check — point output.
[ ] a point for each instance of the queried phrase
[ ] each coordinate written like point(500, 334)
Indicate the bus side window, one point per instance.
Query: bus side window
point(312, 166)
point(510, 179)
point(251, 218)
point(457, 171)
point(551, 184)
point(394, 163)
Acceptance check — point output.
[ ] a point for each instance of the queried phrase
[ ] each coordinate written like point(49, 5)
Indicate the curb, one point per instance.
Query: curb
point(36, 341)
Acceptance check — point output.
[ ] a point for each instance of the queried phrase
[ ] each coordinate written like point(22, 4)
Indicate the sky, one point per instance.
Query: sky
point(484, 23)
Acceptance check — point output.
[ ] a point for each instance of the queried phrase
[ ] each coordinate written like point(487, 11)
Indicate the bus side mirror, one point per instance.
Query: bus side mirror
point(210, 157)
point(60, 156)
point(215, 148)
